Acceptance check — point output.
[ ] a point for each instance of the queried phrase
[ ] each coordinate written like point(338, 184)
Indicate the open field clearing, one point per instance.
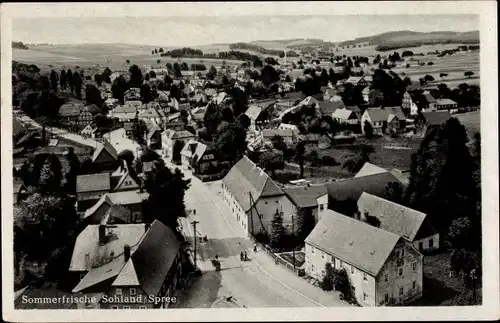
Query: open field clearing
point(68, 59)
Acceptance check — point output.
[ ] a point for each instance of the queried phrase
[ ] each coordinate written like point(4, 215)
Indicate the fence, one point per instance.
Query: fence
point(277, 259)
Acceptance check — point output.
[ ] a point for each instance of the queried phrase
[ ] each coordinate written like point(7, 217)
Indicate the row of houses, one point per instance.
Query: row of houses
point(383, 259)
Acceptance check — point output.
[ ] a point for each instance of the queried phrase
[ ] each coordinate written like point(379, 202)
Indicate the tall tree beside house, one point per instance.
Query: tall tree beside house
point(278, 232)
point(50, 175)
point(300, 151)
point(164, 185)
point(177, 70)
point(272, 160)
point(77, 83)
point(212, 73)
point(74, 169)
point(305, 224)
point(106, 75)
point(119, 87)
point(93, 95)
point(53, 80)
point(394, 192)
point(176, 151)
point(442, 177)
point(136, 77)
point(69, 77)
point(44, 232)
point(139, 130)
point(62, 80)
point(128, 157)
point(269, 75)
point(343, 284)
point(368, 129)
point(354, 164)
point(327, 282)
point(231, 142)
point(146, 95)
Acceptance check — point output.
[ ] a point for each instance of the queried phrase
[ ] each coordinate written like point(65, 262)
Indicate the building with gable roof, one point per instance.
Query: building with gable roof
point(71, 111)
point(170, 136)
point(254, 197)
point(384, 119)
point(403, 221)
point(128, 264)
point(105, 157)
point(85, 117)
point(357, 81)
point(383, 268)
point(121, 180)
point(309, 198)
point(345, 116)
point(132, 94)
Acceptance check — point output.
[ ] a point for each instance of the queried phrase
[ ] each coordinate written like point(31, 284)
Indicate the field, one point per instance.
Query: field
point(89, 56)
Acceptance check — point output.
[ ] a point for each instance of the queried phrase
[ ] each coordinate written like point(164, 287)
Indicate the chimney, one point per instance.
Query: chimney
point(126, 252)
point(102, 234)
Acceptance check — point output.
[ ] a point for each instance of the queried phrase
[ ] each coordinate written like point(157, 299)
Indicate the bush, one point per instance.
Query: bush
point(329, 161)
point(343, 285)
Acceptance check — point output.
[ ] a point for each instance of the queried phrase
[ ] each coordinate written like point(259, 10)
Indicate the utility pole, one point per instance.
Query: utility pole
point(293, 242)
point(194, 228)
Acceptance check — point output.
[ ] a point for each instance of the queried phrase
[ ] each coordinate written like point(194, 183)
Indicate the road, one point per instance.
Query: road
point(255, 283)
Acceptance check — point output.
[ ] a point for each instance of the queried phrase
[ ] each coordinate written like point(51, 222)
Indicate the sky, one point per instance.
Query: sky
point(216, 29)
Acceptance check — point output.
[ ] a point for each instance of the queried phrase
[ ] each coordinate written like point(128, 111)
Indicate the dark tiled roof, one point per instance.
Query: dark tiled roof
point(436, 118)
point(355, 242)
point(154, 257)
point(305, 196)
point(393, 217)
point(382, 114)
point(244, 178)
point(352, 188)
point(327, 108)
point(93, 182)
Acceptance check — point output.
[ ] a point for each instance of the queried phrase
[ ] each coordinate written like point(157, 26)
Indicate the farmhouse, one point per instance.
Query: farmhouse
point(105, 157)
point(90, 188)
point(169, 137)
point(125, 261)
point(310, 198)
point(344, 194)
point(447, 104)
point(71, 111)
point(357, 81)
point(288, 135)
point(384, 119)
point(124, 112)
point(345, 116)
point(201, 158)
point(403, 221)
point(254, 197)
point(329, 107)
point(383, 268)
point(429, 120)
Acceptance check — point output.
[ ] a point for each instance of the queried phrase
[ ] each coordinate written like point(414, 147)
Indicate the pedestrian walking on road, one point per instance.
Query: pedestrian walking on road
point(246, 256)
point(255, 248)
point(241, 256)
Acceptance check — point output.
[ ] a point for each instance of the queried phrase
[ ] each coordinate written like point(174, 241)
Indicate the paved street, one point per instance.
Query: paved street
point(256, 283)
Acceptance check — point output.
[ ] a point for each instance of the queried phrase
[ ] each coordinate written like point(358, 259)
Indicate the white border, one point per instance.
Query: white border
point(489, 86)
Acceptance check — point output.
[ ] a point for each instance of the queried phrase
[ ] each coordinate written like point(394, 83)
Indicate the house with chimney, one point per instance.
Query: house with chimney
point(128, 266)
point(254, 198)
point(384, 269)
point(410, 224)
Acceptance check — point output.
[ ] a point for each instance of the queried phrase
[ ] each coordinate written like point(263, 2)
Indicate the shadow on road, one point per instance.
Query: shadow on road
point(201, 291)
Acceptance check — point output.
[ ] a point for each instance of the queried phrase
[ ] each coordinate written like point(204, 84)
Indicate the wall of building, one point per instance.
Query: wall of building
point(236, 209)
point(426, 243)
point(402, 257)
point(267, 209)
point(363, 283)
point(322, 207)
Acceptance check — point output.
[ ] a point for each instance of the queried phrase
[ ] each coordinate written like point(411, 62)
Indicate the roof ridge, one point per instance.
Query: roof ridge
point(394, 203)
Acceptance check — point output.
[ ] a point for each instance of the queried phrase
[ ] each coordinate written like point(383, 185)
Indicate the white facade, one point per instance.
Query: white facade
point(399, 280)
point(427, 243)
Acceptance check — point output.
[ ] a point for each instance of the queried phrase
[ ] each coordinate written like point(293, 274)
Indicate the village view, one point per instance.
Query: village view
point(318, 174)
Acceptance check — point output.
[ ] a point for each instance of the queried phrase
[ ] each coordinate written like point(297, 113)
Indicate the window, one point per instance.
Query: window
point(397, 253)
point(386, 298)
point(133, 291)
point(352, 269)
point(400, 291)
point(365, 296)
point(400, 272)
point(142, 307)
point(114, 307)
point(312, 268)
point(312, 250)
point(402, 253)
point(414, 285)
point(118, 291)
point(276, 201)
point(341, 264)
point(321, 207)
point(431, 243)
point(365, 277)
point(414, 266)
point(386, 277)
point(126, 307)
point(322, 255)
